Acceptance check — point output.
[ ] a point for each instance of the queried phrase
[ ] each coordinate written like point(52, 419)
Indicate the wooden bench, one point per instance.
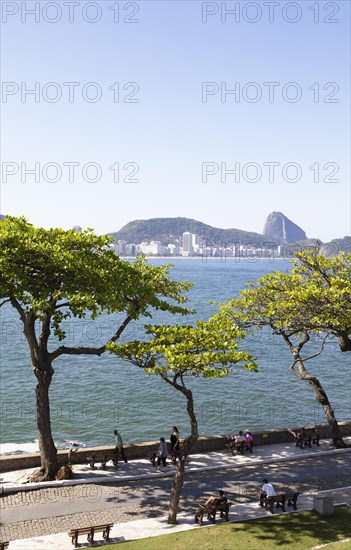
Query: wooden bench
point(280, 500)
point(106, 458)
point(4, 545)
point(236, 446)
point(90, 532)
point(302, 439)
point(307, 441)
point(211, 512)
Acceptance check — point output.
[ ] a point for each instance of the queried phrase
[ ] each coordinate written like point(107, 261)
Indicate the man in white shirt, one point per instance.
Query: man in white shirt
point(267, 490)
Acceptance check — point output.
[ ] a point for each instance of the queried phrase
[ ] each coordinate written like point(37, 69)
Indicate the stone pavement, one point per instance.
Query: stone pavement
point(95, 497)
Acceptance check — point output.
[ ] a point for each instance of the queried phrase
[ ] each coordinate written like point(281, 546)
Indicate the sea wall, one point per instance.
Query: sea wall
point(143, 450)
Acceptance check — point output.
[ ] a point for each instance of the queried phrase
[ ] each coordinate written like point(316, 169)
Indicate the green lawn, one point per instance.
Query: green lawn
point(294, 531)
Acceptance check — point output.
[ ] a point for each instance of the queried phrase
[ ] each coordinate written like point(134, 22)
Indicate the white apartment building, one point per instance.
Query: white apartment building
point(190, 243)
point(153, 248)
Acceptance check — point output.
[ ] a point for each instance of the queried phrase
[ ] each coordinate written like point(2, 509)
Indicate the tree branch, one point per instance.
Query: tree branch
point(67, 304)
point(64, 350)
point(15, 303)
point(172, 383)
point(45, 332)
point(4, 302)
point(318, 352)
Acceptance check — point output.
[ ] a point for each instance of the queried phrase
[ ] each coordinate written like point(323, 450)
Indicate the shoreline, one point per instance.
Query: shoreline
point(204, 444)
point(204, 259)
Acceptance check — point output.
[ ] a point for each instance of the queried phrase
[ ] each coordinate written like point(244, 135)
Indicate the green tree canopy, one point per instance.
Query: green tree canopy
point(50, 275)
point(314, 297)
point(176, 353)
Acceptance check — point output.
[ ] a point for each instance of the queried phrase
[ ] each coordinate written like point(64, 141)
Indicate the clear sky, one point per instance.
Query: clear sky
point(176, 96)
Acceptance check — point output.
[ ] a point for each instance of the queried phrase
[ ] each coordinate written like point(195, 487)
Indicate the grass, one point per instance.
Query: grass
point(294, 531)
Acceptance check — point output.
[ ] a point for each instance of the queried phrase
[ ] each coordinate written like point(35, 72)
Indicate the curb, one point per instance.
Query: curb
point(12, 487)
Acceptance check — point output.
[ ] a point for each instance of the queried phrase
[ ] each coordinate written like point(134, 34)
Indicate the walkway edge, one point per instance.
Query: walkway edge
point(6, 488)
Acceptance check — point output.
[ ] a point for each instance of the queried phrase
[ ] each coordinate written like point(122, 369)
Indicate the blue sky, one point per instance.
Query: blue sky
point(165, 132)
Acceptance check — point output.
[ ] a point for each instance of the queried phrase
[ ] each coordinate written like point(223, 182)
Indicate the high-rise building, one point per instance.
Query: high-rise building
point(190, 243)
point(188, 248)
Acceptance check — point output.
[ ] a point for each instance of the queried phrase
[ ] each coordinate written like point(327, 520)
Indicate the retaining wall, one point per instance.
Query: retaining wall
point(142, 450)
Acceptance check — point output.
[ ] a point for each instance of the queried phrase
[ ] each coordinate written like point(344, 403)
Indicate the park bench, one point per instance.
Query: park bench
point(307, 441)
point(211, 512)
point(90, 532)
point(280, 500)
point(236, 446)
point(302, 439)
point(106, 458)
point(4, 545)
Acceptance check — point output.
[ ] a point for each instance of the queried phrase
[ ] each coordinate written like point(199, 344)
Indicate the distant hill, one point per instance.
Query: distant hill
point(280, 228)
point(170, 230)
point(335, 246)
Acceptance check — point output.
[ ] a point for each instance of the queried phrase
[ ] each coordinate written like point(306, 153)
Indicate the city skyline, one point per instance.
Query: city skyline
point(218, 111)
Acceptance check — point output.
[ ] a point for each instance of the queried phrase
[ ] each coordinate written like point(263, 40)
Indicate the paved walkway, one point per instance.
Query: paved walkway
point(27, 506)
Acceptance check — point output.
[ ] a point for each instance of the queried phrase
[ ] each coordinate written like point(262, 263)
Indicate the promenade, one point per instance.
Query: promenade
point(135, 496)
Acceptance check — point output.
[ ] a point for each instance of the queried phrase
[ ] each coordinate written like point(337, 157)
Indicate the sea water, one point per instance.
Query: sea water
point(90, 395)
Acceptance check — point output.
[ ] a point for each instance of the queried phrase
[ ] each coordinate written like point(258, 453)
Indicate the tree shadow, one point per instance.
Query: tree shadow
point(295, 527)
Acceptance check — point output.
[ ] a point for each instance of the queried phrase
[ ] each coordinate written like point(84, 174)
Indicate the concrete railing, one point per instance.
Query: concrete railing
point(142, 450)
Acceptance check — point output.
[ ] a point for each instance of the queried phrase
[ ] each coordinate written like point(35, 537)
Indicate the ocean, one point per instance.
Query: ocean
point(90, 396)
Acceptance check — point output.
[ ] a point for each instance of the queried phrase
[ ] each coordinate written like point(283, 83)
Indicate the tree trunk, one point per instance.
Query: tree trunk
point(48, 451)
point(322, 398)
point(176, 491)
point(344, 341)
point(188, 444)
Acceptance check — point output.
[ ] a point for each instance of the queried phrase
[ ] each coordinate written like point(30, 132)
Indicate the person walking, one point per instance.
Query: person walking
point(162, 453)
point(174, 439)
point(267, 490)
point(119, 445)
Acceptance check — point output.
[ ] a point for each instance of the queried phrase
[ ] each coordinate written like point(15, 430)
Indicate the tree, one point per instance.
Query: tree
point(176, 353)
point(325, 300)
point(313, 298)
point(52, 275)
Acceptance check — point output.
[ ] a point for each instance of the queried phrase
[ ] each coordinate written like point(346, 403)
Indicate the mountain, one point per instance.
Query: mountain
point(335, 246)
point(280, 228)
point(170, 230)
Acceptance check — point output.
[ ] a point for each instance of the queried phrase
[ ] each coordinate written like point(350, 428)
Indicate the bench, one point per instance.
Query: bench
point(106, 458)
point(211, 512)
point(4, 545)
point(90, 531)
point(307, 441)
point(302, 439)
point(238, 446)
point(280, 500)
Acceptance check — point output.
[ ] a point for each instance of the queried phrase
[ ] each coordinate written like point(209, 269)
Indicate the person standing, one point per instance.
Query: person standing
point(267, 490)
point(240, 442)
point(162, 453)
point(249, 441)
point(174, 439)
point(119, 445)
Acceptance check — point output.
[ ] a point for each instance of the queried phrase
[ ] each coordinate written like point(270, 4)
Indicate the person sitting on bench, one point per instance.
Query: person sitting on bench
point(267, 491)
point(216, 500)
point(301, 438)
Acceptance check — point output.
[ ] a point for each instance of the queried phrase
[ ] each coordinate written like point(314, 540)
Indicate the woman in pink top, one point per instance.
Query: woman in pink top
point(249, 441)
